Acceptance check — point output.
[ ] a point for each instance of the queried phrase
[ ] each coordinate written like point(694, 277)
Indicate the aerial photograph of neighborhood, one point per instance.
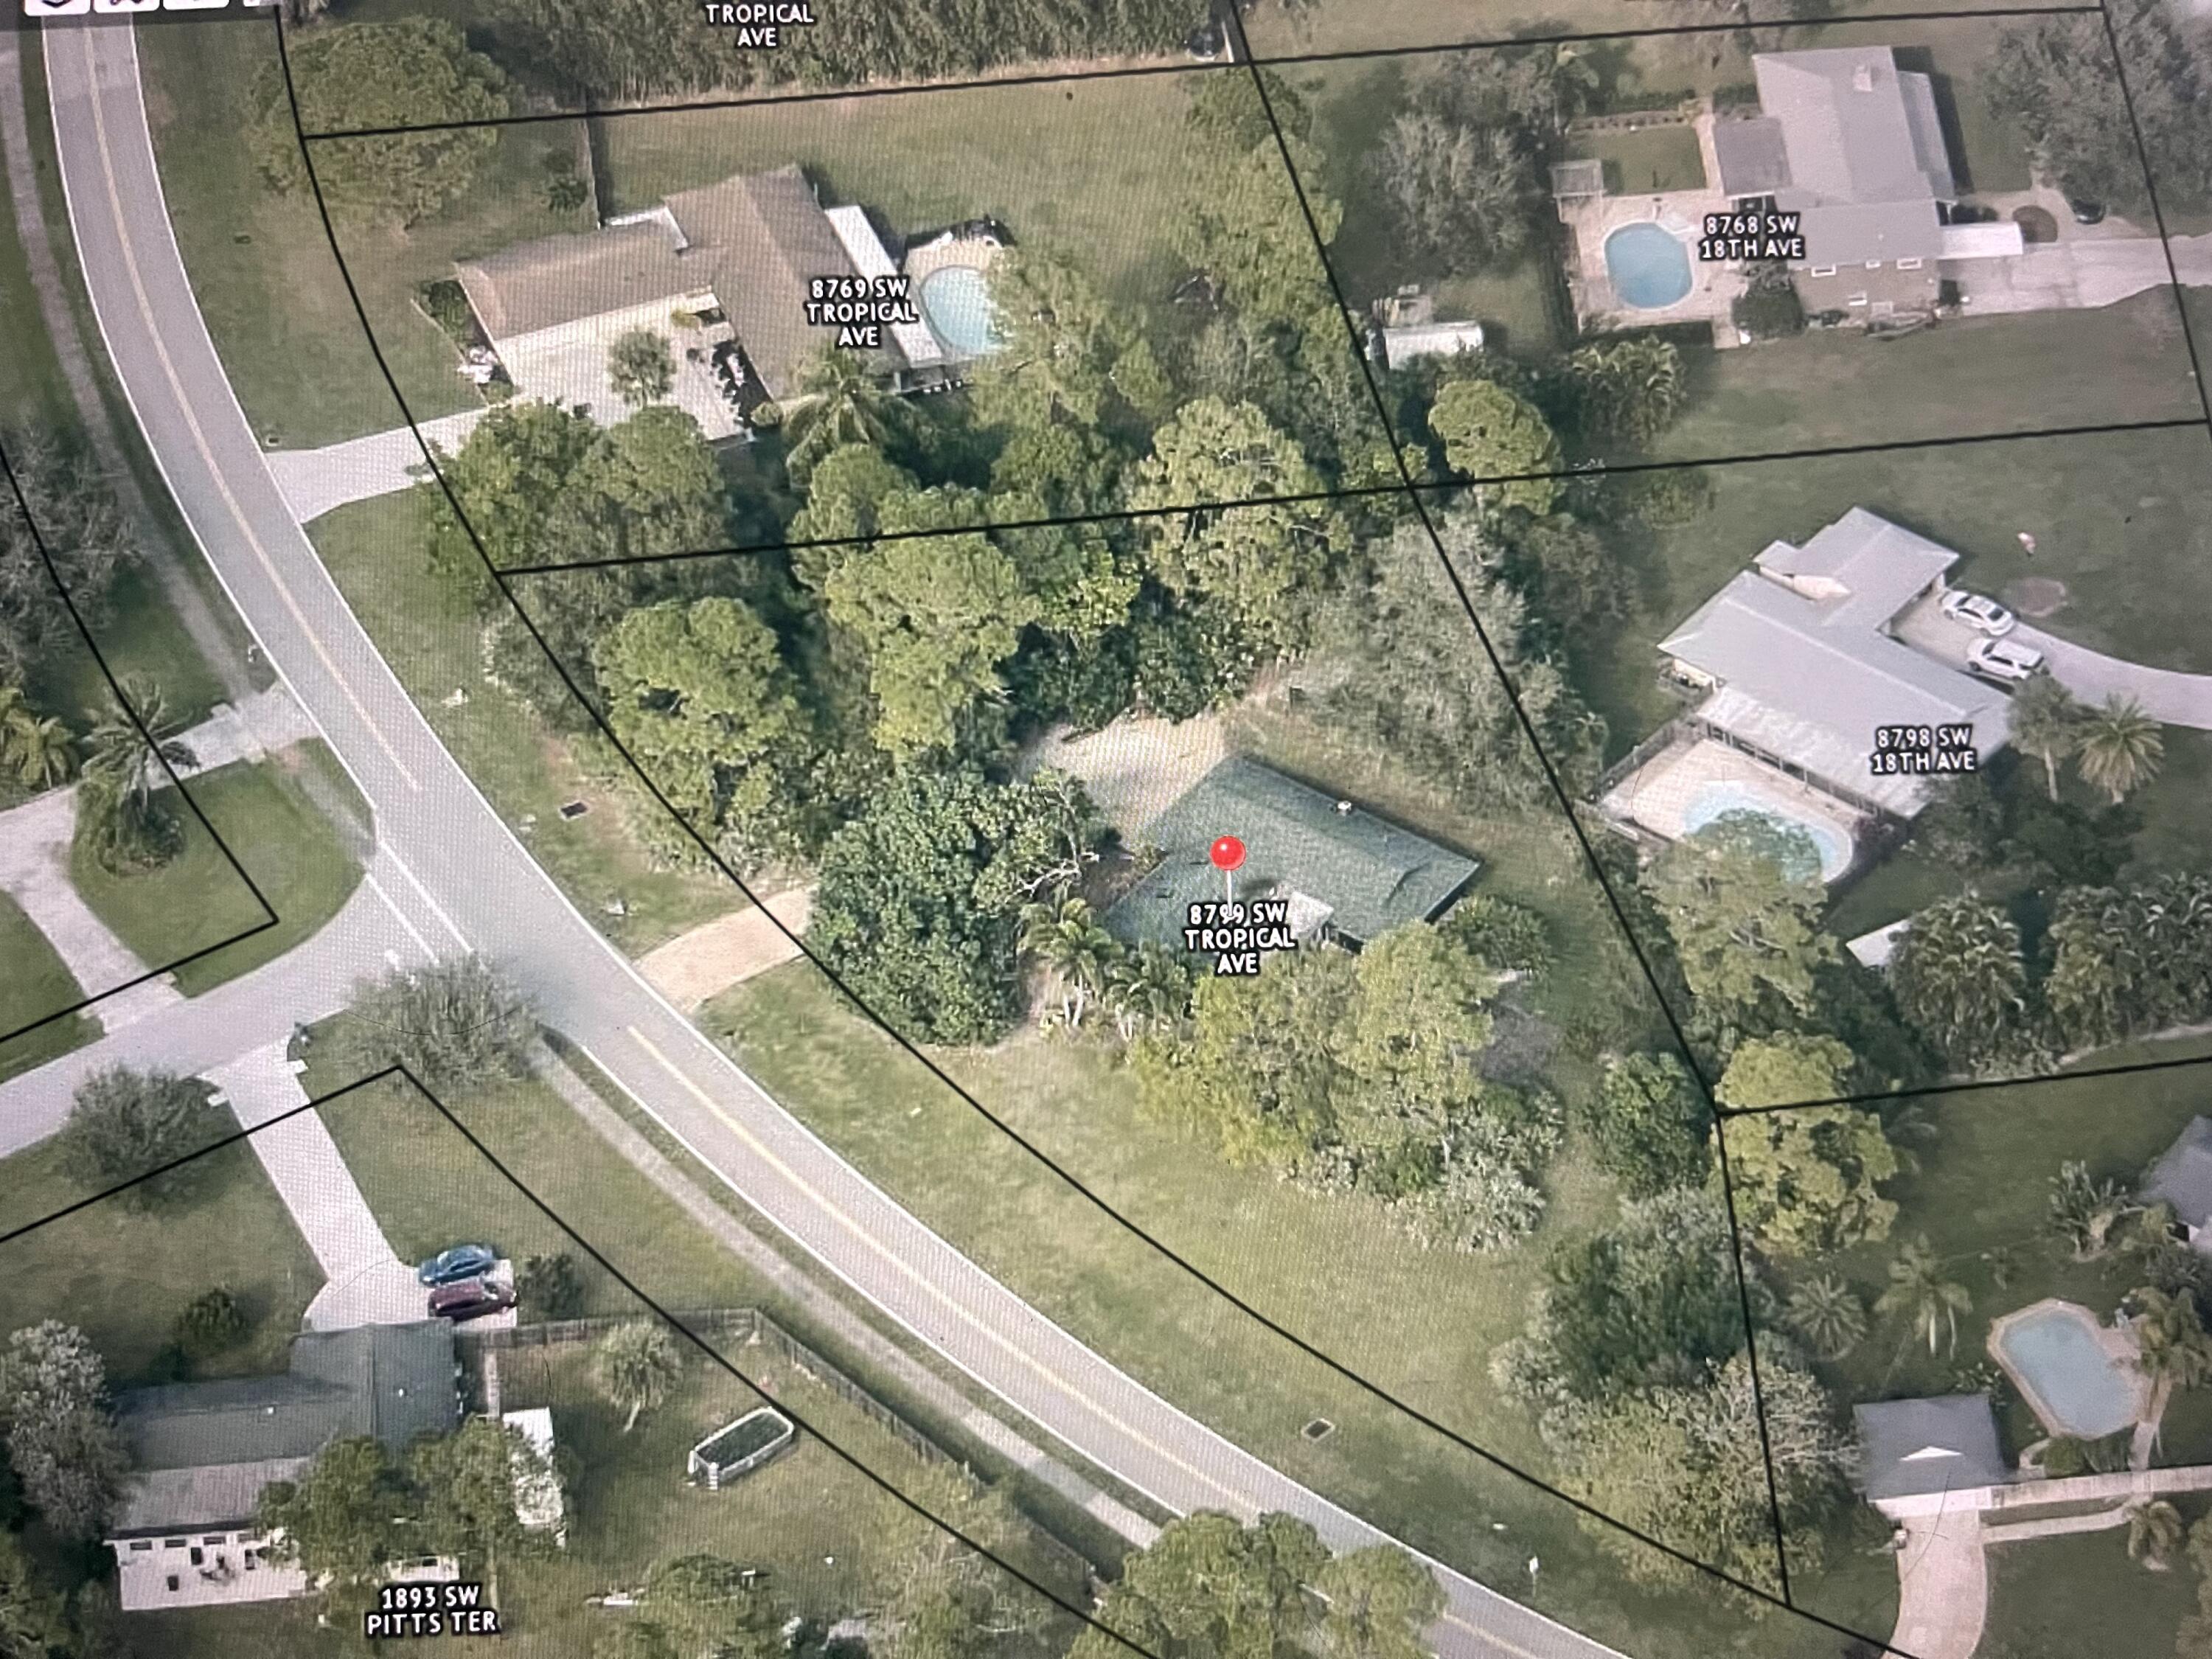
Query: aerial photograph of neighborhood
point(1106, 829)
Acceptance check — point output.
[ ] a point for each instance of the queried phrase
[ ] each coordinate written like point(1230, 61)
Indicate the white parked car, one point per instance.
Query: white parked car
point(1979, 612)
point(2003, 660)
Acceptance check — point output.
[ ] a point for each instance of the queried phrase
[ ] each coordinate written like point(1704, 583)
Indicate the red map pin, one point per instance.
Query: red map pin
point(1227, 853)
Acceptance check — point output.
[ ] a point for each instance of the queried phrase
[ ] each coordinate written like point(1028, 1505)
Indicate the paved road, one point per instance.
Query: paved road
point(484, 884)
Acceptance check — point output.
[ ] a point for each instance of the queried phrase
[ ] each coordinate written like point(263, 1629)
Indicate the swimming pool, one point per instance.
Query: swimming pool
point(2067, 1375)
point(1650, 268)
point(1723, 796)
point(956, 305)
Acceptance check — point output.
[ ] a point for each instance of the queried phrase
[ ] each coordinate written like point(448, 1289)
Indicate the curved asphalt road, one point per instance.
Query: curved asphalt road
point(487, 889)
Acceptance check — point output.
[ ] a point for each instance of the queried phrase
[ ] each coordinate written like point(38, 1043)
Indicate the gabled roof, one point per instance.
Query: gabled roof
point(391, 1382)
point(755, 242)
point(1362, 874)
point(563, 279)
point(2183, 1175)
point(1947, 1443)
point(1814, 675)
point(768, 237)
point(1862, 151)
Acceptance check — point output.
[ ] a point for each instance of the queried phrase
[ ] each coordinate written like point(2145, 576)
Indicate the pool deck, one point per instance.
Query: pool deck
point(1713, 287)
point(2118, 1346)
point(1657, 795)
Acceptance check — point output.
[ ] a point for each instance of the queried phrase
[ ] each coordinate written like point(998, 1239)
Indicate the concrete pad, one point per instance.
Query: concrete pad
point(695, 967)
point(1943, 1586)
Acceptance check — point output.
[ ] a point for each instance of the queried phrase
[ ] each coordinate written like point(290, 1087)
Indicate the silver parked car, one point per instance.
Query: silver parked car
point(1979, 612)
point(2003, 660)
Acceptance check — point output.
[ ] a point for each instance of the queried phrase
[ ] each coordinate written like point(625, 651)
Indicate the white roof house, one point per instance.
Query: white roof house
point(1802, 667)
point(1854, 144)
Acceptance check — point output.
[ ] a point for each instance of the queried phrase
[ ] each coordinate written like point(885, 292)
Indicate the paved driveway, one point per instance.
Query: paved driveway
point(2166, 694)
point(317, 481)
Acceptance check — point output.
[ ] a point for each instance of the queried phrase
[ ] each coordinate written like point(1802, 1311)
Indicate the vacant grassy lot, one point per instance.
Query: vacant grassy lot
point(37, 982)
point(1094, 168)
point(197, 899)
point(1421, 1325)
point(376, 551)
point(122, 1271)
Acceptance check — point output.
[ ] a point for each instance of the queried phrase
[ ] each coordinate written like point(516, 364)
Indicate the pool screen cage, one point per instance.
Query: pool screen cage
point(1577, 181)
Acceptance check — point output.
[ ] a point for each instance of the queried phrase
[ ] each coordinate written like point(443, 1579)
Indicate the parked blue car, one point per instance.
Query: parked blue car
point(462, 1261)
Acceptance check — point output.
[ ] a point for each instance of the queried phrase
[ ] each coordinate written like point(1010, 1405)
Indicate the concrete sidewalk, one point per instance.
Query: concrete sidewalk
point(34, 871)
point(364, 1283)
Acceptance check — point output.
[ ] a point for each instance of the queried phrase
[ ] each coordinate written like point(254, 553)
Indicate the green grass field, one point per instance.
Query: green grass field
point(1095, 169)
point(1654, 159)
point(196, 900)
point(376, 552)
point(37, 982)
point(122, 1271)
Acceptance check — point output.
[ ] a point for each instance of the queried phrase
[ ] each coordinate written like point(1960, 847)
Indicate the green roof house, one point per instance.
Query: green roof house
point(1348, 875)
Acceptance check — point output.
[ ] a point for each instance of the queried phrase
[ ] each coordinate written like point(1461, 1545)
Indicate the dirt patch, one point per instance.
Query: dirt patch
point(2035, 596)
point(1135, 768)
point(692, 967)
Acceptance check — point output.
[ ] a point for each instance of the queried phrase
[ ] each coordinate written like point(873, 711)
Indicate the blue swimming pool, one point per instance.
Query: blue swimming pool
point(1649, 267)
point(2070, 1380)
point(956, 305)
point(1714, 800)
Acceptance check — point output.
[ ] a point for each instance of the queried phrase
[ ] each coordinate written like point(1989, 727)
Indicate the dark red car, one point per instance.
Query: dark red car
point(471, 1299)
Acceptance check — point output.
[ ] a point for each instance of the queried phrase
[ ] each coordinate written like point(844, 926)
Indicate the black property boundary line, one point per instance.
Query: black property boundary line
point(1141, 71)
point(115, 689)
point(401, 1073)
point(1566, 805)
point(1983, 1085)
point(1588, 470)
point(1337, 1366)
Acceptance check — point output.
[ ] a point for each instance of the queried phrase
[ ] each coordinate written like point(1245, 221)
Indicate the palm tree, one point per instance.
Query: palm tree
point(1918, 1289)
point(2154, 1533)
point(1828, 1314)
point(1148, 990)
point(1076, 951)
point(40, 751)
point(838, 402)
point(636, 1365)
point(2171, 1342)
point(126, 760)
point(2088, 1213)
point(2119, 747)
point(2046, 723)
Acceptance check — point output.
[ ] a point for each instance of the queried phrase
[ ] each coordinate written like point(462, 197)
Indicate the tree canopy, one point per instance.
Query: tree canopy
point(412, 71)
point(1489, 432)
point(62, 1439)
point(1743, 899)
point(453, 1025)
point(124, 1124)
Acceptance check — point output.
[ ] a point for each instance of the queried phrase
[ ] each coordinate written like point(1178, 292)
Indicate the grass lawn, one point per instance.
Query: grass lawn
point(264, 816)
point(1380, 25)
point(2055, 1598)
point(1653, 159)
point(1094, 168)
point(1420, 1324)
point(375, 551)
point(1968, 376)
point(33, 395)
point(262, 267)
point(37, 982)
point(122, 1271)
point(140, 635)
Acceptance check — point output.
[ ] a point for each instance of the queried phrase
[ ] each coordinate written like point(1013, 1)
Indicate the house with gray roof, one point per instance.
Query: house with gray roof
point(184, 1534)
point(724, 272)
point(1853, 144)
point(1915, 1456)
point(2182, 1177)
point(1347, 875)
point(1800, 662)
